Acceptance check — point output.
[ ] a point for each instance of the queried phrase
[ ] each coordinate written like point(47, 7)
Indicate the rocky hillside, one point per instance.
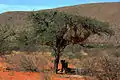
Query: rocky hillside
point(109, 12)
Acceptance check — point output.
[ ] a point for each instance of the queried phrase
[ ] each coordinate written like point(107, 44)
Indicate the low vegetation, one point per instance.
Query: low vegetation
point(54, 29)
point(34, 63)
point(6, 36)
point(26, 62)
point(102, 67)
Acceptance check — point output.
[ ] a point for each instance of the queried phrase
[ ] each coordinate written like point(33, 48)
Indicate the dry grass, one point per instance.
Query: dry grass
point(34, 63)
point(102, 67)
point(26, 62)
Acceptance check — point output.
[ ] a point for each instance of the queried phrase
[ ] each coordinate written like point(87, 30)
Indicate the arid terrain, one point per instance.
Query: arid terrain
point(102, 11)
point(8, 69)
point(10, 64)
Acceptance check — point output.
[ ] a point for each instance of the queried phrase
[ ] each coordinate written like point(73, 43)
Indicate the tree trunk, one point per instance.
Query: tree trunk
point(57, 57)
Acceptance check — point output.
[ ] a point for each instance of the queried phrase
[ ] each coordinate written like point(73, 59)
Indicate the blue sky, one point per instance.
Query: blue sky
point(28, 5)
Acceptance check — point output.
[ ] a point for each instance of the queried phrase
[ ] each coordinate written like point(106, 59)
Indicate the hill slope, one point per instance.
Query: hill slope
point(101, 11)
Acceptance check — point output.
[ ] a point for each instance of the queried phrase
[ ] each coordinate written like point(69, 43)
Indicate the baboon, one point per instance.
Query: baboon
point(65, 67)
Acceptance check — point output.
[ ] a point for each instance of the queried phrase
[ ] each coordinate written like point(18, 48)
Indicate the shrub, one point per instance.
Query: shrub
point(103, 68)
point(116, 54)
point(34, 63)
point(27, 62)
point(7, 33)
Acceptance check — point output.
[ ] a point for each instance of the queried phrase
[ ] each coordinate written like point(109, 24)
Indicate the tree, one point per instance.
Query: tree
point(59, 29)
point(25, 40)
point(5, 33)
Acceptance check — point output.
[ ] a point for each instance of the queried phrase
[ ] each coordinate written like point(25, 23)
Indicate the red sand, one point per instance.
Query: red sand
point(12, 75)
point(68, 77)
point(19, 76)
point(30, 76)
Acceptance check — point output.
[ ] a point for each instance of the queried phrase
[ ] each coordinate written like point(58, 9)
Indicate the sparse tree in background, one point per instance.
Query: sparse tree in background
point(5, 33)
point(26, 40)
point(58, 29)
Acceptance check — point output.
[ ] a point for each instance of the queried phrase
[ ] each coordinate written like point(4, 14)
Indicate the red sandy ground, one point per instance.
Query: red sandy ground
point(12, 75)
point(19, 76)
point(66, 77)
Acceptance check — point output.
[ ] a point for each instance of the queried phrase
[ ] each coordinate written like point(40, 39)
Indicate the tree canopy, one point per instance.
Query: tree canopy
point(58, 29)
point(53, 25)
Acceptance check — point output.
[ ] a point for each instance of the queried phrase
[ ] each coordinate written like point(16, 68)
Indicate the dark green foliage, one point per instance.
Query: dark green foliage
point(26, 40)
point(53, 54)
point(11, 39)
point(52, 27)
point(96, 27)
point(6, 35)
point(99, 46)
point(58, 29)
